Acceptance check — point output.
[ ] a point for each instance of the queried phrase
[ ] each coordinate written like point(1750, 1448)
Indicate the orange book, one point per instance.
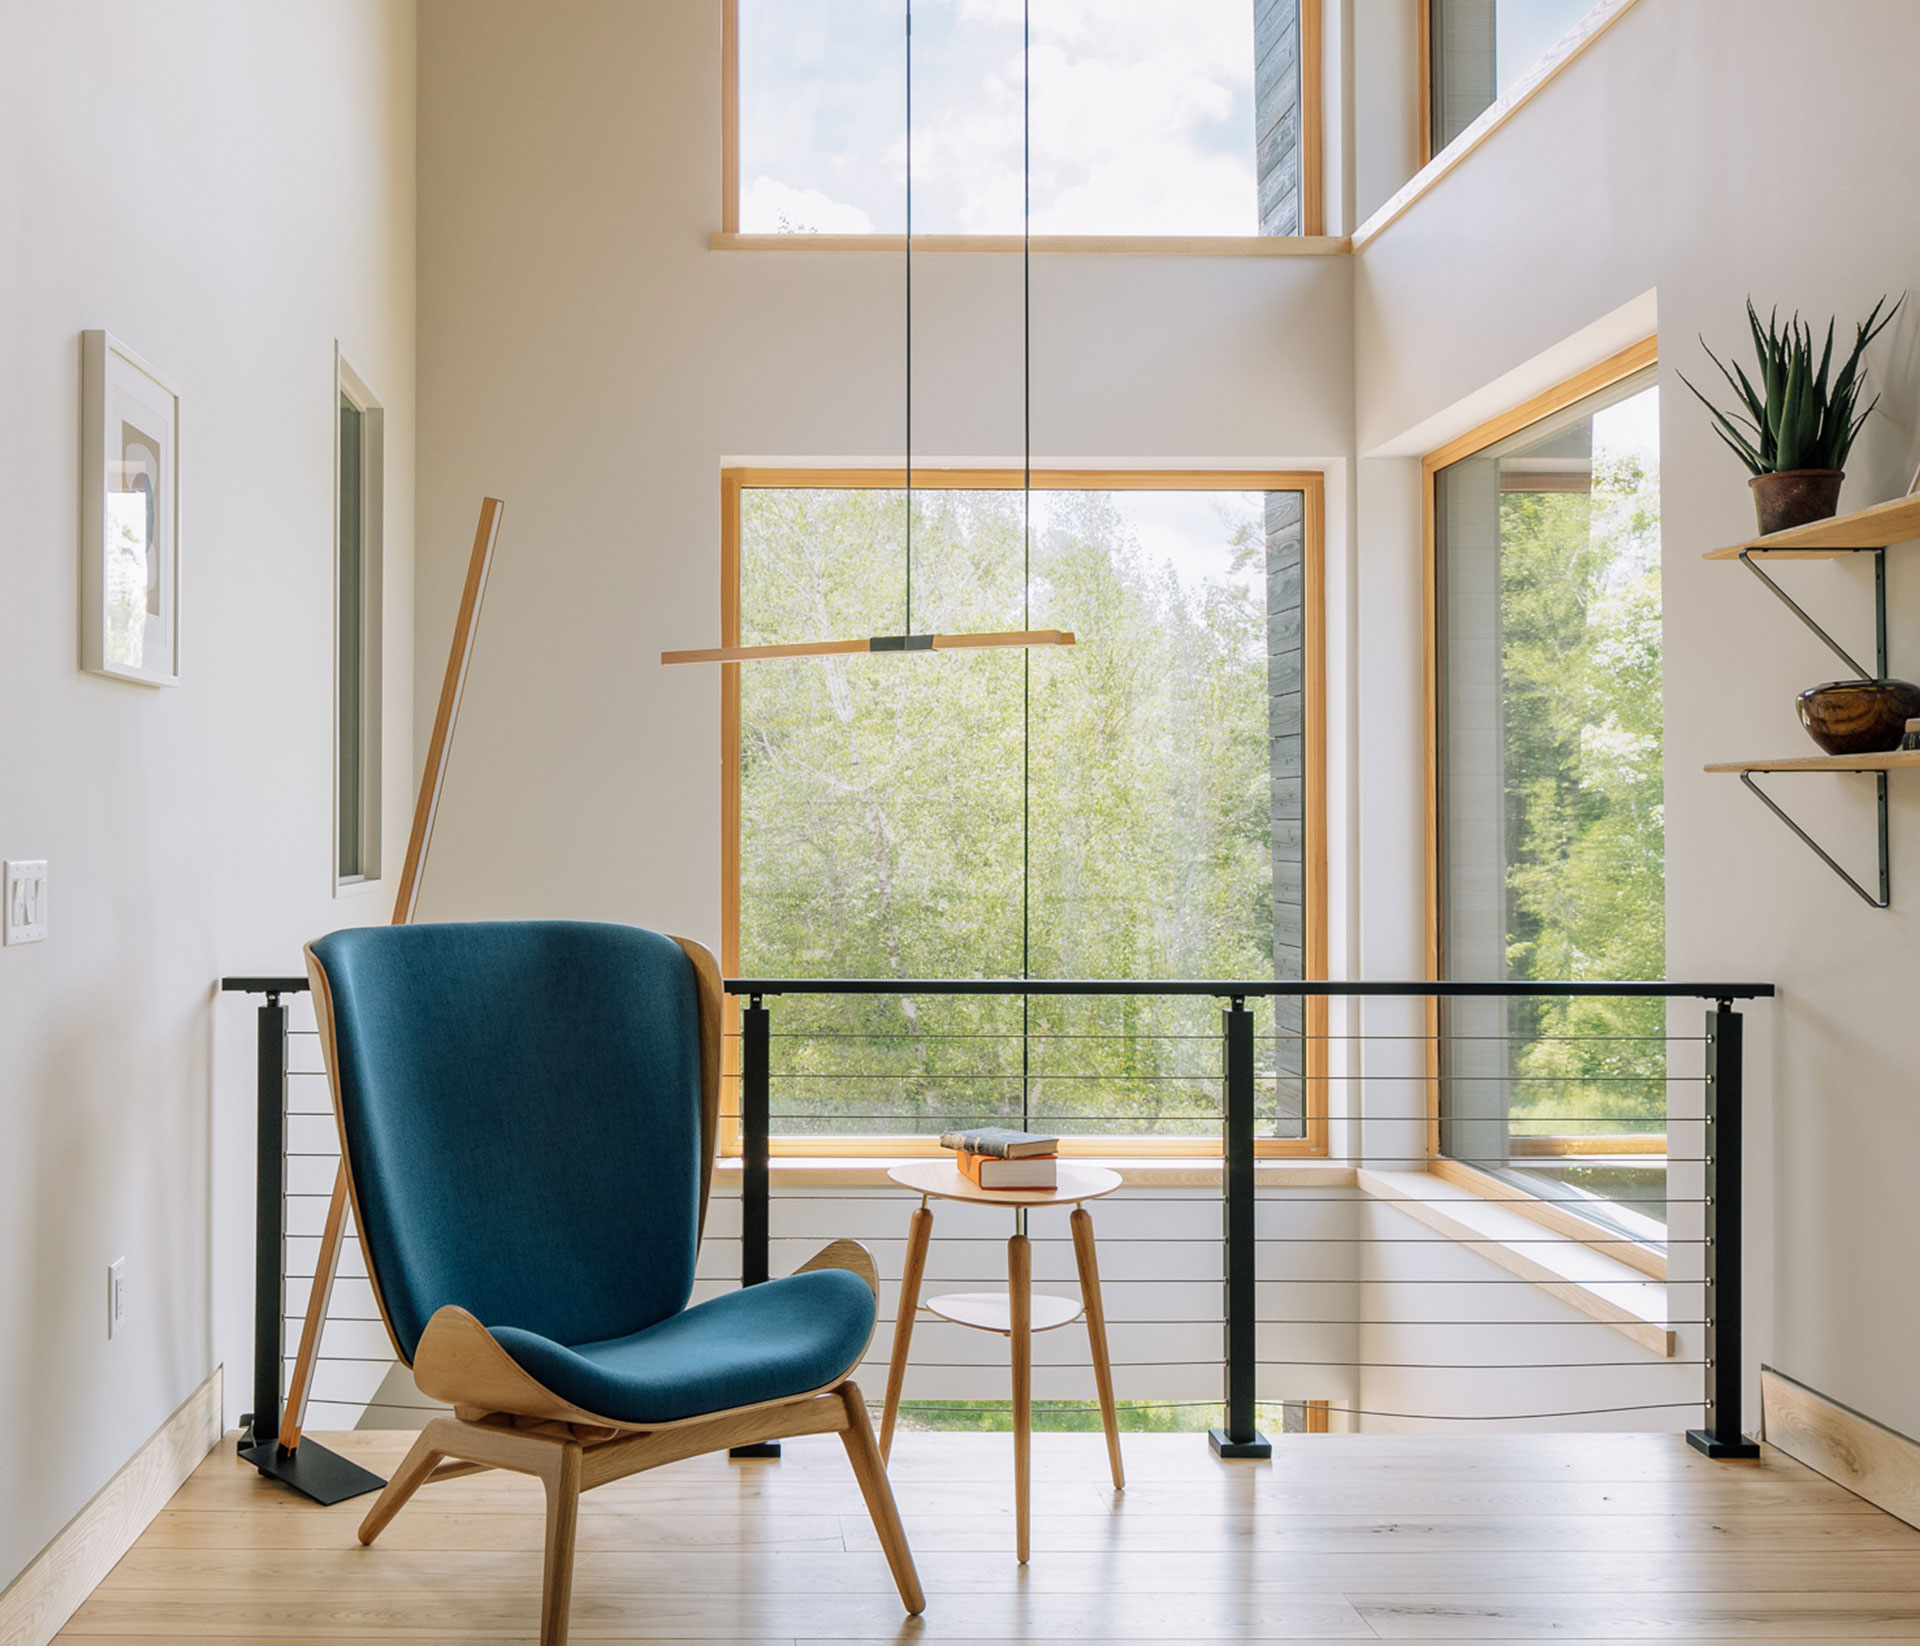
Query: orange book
point(990, 1172)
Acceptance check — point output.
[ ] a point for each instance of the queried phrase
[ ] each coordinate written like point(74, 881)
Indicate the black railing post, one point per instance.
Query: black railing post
point(1241, 1437)
point(269, 1219)
point(1722, 1437)
point(756, 1082)
point(756, 1104)
point(310, 1468)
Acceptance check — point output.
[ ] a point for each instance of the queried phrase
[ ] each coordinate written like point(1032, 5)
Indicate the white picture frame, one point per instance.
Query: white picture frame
point(129, 517)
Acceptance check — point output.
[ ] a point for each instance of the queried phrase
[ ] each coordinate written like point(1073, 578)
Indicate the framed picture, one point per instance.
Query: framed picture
point(130, 516)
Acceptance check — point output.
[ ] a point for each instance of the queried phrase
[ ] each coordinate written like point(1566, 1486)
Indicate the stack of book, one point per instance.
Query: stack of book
point(997, 1157)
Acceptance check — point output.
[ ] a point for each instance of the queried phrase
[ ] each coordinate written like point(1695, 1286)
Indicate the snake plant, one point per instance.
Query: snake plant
point(1795, 419)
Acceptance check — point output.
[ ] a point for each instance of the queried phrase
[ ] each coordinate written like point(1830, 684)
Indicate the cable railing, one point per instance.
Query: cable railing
point(1619, 1148)
point(1346, 1202)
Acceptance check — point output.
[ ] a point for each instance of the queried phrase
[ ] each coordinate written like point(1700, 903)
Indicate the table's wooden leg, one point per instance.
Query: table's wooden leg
point(1097, 1336)
point(919, 1232)
point(1020, 1310)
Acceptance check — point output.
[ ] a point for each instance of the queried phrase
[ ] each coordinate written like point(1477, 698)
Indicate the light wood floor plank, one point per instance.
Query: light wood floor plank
point(1791, 1617)
point(1340, 1538)
point(1261, 1570)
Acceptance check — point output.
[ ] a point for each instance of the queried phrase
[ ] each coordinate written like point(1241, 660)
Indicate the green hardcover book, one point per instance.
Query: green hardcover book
point(1001, 1142)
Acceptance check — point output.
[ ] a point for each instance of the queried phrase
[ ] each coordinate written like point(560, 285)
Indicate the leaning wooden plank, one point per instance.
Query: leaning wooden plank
point(426, 808)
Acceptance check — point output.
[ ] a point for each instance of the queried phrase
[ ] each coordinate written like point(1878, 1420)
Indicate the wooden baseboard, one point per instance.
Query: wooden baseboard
point(1866, 1457)
point(35, 1606)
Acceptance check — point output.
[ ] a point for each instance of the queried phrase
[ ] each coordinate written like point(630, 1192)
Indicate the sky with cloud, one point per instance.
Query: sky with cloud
point(1142, 116)
point(1142, 113)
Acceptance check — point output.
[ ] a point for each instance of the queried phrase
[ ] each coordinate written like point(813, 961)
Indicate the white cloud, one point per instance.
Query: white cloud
point(1142, 113)
point(769, 206)
point(1142, 122)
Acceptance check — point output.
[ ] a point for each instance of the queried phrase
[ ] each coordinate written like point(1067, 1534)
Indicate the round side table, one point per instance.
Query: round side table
point(1016, 1314)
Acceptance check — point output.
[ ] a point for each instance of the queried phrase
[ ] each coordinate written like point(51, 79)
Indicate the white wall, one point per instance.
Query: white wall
point(587, 358)
point(1642, 168)
point(1447, 1336)
point(1385, 72)
point(229, 188)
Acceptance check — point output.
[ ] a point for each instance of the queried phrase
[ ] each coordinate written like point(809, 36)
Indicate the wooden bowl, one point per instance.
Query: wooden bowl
point(1859, 716)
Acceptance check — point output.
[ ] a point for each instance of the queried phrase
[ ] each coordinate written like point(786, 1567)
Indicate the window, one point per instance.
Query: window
point(1551, 860)
point(1149, 117)
point(1143, 804)
point(357, 587)
point(1477, 49)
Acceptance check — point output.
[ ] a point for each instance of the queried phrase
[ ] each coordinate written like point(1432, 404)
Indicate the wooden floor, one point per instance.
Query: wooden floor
point(1534, 1537)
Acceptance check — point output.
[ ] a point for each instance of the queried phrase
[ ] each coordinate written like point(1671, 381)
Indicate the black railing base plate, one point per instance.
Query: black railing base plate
point(1702, 1440)
point(311, 1469)
point(1224, 1446)
point(760, 1448)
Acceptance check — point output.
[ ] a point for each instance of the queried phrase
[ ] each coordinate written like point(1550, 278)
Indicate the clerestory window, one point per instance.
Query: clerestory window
point(1191, 118)
point(1476, 50)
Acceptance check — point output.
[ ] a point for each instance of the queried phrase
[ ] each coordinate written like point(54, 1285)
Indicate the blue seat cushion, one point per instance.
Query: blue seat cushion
point(760, 1343)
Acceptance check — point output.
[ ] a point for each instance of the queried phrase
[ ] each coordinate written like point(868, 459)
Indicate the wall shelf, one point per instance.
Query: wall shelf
point(1895, 760)
point(1864, 531)
point(1876, 528)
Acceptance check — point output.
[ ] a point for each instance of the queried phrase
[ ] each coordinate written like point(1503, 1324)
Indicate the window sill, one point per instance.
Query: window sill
point(1046, 245)
point(1136, 1172)
point(1649, 1262)
point(1570, 1270)
point(1562, 1266)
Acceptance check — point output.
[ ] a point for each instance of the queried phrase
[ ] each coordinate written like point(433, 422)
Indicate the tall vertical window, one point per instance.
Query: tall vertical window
point(1552, 848)
point(1149, 117)
point(1139, 805)
point(357, 585)
point(1477, 49)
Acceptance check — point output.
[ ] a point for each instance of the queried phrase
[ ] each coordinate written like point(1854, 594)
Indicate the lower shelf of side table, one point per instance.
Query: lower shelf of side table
point(991, 1312)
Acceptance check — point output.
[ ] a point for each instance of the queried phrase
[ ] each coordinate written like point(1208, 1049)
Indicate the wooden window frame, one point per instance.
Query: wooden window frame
point(1312, 485)
point(1313, 238)
point(1637, 357)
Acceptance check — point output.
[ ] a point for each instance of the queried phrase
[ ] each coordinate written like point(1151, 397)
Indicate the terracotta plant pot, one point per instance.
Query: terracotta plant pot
point(1859, 716)
point(1795, 497)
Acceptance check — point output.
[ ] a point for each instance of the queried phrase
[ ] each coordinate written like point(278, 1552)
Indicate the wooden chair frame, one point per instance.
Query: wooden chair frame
point(503, 1418)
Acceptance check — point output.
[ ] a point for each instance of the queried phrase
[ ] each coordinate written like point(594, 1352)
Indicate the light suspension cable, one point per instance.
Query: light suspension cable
point(1026, 556)
point(1026, 636)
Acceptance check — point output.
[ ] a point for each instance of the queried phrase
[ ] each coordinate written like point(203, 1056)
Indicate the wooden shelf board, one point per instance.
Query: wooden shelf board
point(1893, 761)
point(1874, 528)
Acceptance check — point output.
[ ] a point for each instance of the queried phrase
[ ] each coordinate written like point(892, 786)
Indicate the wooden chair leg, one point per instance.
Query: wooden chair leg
point(1020, 1309)
point(562, 1480)
point(871, 1471)
point(412, 1474)
point(1089, 1265)
point(919, 1232)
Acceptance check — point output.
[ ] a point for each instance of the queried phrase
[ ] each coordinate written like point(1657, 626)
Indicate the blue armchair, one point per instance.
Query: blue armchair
point(528, 1113)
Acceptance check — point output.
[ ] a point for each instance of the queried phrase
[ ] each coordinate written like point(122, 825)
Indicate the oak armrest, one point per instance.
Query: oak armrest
point(849, 1255)
point(457, 1360)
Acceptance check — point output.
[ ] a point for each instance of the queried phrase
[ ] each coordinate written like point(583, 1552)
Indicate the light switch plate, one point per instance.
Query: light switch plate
point(26, 900)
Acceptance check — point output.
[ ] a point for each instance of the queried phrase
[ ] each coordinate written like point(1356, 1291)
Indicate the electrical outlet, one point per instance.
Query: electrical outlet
point(26, 901)
point(116, 1295)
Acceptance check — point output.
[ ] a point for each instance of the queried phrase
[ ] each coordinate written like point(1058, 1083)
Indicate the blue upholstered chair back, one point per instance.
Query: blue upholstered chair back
point(522, 1116)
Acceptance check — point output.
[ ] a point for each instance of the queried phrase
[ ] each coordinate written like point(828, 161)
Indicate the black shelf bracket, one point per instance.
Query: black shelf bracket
point(1832, 645)
point(1879, 673)
point(1880, 802)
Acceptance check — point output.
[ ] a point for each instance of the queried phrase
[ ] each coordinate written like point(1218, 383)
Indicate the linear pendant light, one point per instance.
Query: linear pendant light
point(909, 641)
